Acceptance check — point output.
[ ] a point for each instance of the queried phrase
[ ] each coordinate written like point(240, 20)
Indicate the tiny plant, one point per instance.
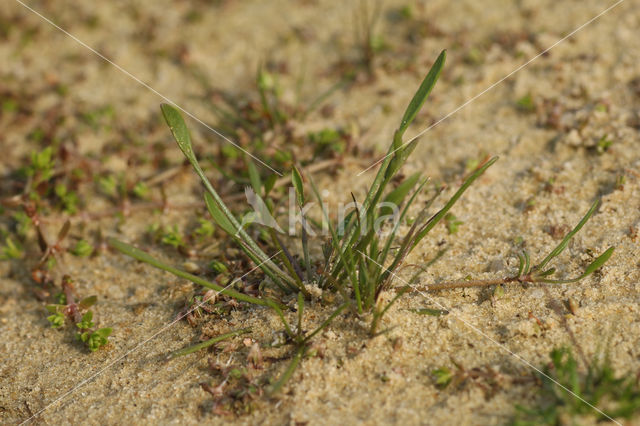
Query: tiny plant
point(79, 314)
point(82, 249)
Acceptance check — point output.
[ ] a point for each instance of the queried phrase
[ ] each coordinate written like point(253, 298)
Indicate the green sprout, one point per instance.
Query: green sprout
point(11, 250)
point(108, 185)
point(172, 237)
point(603, 145)
point(68, 199)
point(443, 376)
point(95, 339)
point(525, 103)
point(218, 267)
point(205, 229)
point(141, 190)
point(56, 319)
point(42, 164)
point(82, 249)
point(452, 223)
point(86, 321)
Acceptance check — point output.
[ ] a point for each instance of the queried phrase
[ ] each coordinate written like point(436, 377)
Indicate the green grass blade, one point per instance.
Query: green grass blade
point(423, 92)
point(563, 244)
point(297, 357)
point(438, 216)
point(183, 139)
point(300, 312)
point(344, 257)
point(296, 179)
point(405, 210)
point(275, 273)
point(327, 321)
point(596, 264)
point(593, 266)
point(206, 344)
point(273, 305)
point(137, 254)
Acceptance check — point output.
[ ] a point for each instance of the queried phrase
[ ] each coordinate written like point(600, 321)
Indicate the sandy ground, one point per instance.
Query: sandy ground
point(585, 88)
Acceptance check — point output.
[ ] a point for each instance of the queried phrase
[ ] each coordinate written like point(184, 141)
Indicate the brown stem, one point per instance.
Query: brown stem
point(475, 283)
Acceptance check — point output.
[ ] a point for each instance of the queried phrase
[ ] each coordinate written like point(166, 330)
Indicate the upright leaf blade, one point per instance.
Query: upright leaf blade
point(296, 178)
point(254, 177)
point(423, 92)
point(565, 241)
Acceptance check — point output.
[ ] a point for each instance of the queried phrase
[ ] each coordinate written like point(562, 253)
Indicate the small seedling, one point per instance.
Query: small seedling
point(79, 314)
point(205, 229)
point(603, 145)
point(525, 103)
point(141, 190)
point(95, 339)
point(172, 237)
point(11, 250)
point(452, 223)
point(218, 267)
point(82, 249)
point(108, 185)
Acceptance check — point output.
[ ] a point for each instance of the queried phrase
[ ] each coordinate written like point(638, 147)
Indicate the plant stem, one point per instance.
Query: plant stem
point(297, 357)
point(206, 344)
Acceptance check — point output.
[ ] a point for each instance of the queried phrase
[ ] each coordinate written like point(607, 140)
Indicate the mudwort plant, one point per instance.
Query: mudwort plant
point(359, 260)
point(599, 386)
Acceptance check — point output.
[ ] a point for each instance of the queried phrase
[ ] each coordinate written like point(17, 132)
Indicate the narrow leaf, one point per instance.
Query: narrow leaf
point(289, 371)
point(137, 254)
point(207, 343)
point(601, 260)
point(563, 244)
point(296, 178)
point(254, 176)
point(423, 92)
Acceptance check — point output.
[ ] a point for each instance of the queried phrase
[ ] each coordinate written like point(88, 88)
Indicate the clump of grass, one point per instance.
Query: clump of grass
point(616, 396)
point(359, 262)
